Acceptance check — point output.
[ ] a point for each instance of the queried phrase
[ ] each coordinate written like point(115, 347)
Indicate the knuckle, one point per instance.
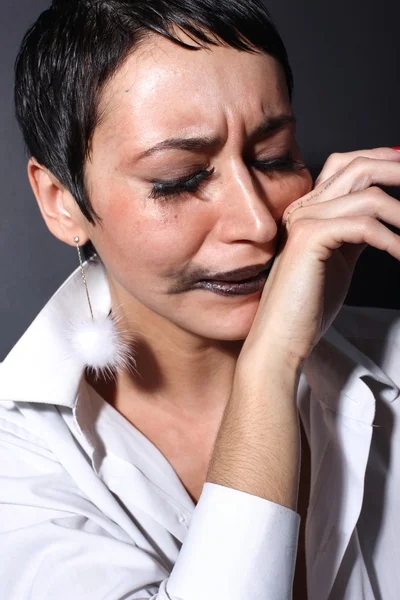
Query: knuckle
point(376, 192)
point(365, 222)
point(287, 213)
point(334, 156)
point(292, 210)
point(300, 228)
point(290, 216)
point(333, 159)
point(358, 163)
point(375, 198)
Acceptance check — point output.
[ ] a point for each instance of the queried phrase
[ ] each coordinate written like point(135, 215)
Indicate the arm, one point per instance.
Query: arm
point(258, 445)
point(244, 532)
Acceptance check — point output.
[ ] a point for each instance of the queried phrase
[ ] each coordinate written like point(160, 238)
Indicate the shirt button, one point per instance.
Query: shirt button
point(182, 519)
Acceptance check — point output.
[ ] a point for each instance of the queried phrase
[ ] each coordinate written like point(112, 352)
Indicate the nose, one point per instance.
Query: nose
point(245, 214)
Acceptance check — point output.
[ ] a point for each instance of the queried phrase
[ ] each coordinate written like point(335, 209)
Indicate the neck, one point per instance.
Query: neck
point(176, 372)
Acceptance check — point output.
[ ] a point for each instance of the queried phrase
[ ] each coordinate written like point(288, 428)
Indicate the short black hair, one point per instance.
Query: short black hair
point(75, 46)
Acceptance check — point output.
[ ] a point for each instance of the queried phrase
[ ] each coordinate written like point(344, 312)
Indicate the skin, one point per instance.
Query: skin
point(187, 343)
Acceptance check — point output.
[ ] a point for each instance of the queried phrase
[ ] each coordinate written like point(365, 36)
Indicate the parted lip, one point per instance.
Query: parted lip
point(240, 274)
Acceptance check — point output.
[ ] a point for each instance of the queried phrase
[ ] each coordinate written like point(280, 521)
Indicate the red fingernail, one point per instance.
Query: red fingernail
point(396, 148)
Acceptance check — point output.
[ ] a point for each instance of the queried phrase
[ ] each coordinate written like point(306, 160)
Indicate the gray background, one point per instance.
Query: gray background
point(345, 57)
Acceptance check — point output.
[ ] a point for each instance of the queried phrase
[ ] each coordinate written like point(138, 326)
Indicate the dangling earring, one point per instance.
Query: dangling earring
point(98, 342)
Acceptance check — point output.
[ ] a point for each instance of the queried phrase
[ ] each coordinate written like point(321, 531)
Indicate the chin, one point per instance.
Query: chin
point(226, 320)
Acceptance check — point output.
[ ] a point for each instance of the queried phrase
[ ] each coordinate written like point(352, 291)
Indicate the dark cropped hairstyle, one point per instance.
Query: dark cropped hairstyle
point(75, 47)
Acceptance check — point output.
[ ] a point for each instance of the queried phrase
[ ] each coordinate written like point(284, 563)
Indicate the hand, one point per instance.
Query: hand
point(322, 236)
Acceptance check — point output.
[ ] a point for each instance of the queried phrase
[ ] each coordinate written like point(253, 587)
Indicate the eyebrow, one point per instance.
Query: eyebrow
point(267, 127)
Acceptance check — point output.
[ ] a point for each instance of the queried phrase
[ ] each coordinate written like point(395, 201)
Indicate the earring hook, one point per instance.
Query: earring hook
point(76, 240)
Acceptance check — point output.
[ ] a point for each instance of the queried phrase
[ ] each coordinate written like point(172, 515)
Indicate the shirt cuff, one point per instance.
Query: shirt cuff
point(238, 546)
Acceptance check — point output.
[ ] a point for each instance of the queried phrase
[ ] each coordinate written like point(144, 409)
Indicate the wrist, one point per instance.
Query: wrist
point(280, 362)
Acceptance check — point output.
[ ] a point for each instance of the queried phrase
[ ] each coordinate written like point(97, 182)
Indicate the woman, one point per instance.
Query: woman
point(162, 134)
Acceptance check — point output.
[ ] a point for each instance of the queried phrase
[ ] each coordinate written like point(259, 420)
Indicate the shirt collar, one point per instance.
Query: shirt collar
point(41, 367)
point(343, 378)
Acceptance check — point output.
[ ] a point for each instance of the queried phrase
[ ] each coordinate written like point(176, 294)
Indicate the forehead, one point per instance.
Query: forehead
point(163, 88)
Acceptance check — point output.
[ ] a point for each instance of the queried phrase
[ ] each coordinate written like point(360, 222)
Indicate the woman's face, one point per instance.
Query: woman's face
point(155, 247)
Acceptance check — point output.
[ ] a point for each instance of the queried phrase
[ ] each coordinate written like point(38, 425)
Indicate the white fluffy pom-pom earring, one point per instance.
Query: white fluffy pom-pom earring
point(98, 343)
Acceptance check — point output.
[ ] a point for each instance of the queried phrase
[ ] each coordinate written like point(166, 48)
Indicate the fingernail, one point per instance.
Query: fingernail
point(396, 148)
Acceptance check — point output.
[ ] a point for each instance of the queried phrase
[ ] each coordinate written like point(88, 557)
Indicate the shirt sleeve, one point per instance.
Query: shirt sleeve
point(59, 544)
point(238, 546)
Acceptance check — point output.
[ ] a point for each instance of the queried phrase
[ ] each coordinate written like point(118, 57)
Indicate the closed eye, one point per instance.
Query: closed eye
point(177, 187)
point(284, 163)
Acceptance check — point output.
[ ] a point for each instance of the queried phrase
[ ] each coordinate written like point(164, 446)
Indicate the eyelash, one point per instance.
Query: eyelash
point(176, 188)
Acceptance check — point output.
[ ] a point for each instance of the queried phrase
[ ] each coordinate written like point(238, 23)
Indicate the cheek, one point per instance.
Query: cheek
point(285, 191)
point(146, 238)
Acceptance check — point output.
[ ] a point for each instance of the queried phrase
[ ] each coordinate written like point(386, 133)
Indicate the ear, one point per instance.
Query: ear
point(57, 206)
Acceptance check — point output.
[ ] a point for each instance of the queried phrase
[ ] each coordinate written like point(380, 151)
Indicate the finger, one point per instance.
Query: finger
point(339, 160)
point(372, 202)
point(325, 236)
point(359, 175)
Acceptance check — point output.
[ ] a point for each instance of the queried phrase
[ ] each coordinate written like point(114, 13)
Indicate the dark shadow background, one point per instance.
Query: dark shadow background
point(345, 57)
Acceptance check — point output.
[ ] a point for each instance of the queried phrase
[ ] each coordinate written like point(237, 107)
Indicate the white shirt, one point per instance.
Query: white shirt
point(90, 509)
